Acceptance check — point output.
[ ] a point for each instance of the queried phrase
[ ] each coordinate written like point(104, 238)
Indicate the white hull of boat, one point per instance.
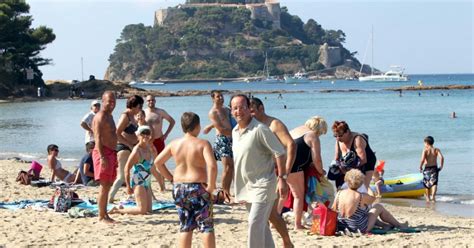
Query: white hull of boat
point(383, 78)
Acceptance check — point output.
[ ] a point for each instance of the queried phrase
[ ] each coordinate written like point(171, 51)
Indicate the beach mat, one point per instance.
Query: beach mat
point(395, 230)
point(24, 204)
point(157, 205)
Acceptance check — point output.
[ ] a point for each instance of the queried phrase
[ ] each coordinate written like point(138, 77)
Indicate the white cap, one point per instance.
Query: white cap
point(95, 102)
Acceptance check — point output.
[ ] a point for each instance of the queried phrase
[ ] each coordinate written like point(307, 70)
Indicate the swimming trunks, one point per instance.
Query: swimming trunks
point(122, 147)
point(194, 207)
point(110, 173)
point(303, 155)
point(159, 144)
point(222, 147)
point(140, 172)
point(430, 176)
point(359, 220)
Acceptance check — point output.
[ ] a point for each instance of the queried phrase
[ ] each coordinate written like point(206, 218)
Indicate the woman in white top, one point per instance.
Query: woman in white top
point(56, 167)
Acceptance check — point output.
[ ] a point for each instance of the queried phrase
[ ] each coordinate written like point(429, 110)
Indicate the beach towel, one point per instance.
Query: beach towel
point(379, 231)
point(24, 204)
point(317, 189)
point(93, 208)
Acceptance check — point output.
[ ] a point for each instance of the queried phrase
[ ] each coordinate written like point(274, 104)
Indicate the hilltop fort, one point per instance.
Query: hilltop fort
point(265, 10)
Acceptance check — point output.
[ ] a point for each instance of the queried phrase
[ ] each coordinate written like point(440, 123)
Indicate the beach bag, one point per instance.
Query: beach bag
point(62, 199)
point(35, 169)
point(324, 220)
point(24, 177)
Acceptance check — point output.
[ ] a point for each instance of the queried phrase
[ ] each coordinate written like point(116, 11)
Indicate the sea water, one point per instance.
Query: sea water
point(396, 124)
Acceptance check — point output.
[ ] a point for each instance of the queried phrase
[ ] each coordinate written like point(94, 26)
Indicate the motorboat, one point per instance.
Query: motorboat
point(393, 75)
point(146, 83)
point(299, 77)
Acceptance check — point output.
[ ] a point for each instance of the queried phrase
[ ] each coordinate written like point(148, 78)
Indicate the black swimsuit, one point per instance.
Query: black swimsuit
point(370, 155)
point(303, 155)
point(130, 129)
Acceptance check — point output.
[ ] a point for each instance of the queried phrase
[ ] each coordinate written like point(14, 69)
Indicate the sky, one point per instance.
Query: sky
point(425, 37)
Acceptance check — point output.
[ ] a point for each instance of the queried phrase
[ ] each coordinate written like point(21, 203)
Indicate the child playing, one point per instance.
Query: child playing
point(378, 178)
point(430, 172)
point(194, 181)
point(138, 174)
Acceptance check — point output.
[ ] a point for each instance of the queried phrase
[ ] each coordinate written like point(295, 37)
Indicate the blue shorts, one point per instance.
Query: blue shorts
point(222, 147)
point(194, 207)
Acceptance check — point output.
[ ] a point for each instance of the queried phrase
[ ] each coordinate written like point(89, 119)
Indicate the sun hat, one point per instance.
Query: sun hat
point(95, 102)
point(142, 129)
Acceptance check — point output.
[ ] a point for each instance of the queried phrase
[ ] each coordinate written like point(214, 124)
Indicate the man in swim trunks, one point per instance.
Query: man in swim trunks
point(429, 158)
point(221, 120)
point(154, 118)
point(194, 180)
point(104, 154)
point(256, 183)
point(281, 131)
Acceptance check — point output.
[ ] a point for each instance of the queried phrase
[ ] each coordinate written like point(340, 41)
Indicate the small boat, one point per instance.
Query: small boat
point(266, 77)
point(393, 75)
point(148, 83)
point(299, 77)
point(407, 186)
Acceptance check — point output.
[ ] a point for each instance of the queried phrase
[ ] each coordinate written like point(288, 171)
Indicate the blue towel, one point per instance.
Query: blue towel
point(23, 204)
point(129, 204)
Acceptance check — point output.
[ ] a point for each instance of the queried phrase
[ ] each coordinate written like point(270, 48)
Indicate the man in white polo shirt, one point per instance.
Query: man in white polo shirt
point(254, 147)
point(86, 121)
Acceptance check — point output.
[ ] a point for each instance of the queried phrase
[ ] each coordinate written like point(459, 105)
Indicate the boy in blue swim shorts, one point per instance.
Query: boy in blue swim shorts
point(194, 180)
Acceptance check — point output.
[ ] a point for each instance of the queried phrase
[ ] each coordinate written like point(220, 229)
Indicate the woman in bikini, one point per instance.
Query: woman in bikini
point(126, 139)
point(56, 167)
point(308, 153)
point(138, 174)
point(355, 212)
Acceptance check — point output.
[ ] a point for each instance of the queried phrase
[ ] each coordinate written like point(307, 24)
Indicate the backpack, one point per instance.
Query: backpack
point(62, 199)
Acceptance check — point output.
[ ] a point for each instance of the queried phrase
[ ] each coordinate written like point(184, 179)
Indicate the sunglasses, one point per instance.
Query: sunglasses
point(146, 133)
point(55, 150)
point(339, 135)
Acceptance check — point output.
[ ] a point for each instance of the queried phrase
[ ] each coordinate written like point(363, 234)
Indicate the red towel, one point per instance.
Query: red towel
point(310, 171)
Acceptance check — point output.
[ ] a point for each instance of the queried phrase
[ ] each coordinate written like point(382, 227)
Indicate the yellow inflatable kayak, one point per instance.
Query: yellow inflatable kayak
point(408, 186)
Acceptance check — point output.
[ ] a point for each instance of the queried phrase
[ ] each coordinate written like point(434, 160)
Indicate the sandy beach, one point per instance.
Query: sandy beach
point(26, 227)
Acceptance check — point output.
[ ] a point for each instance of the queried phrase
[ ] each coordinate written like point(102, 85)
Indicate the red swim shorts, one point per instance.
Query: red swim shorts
point(159, 144)
point(110, 173)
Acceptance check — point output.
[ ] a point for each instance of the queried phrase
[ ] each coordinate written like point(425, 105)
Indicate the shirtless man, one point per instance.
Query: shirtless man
point(281, 131)
point(220, 117)
point(154, 118)
point(104, 154)
point(194, 181)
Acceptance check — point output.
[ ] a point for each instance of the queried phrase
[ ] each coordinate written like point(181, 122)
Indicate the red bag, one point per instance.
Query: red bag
point(324, 220)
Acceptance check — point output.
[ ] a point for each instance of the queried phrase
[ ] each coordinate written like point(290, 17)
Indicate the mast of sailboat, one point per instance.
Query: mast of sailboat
point(265, 66)
point(372, 65)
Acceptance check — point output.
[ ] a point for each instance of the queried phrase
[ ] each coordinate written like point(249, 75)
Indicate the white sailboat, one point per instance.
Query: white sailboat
point(267, 78)
point(395, 74)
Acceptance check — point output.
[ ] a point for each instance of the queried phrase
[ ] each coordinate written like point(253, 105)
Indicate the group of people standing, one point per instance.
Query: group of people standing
point(263, 159)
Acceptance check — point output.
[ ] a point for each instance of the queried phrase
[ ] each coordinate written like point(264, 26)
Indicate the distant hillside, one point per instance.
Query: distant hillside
point(196, 42)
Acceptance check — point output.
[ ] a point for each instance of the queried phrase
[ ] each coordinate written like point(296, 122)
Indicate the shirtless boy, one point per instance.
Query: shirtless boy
point(104, 154)
point(154, 118)
point(429, 158)
point(194, 181)
point(220, 117)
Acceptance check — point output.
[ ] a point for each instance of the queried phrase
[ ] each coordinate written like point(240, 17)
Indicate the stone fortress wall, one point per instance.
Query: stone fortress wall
point(265, 10)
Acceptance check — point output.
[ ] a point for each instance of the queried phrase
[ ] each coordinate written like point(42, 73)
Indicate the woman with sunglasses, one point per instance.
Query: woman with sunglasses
point(138, 174)
point(56, 167)
point(308, 153)
point(354, 147)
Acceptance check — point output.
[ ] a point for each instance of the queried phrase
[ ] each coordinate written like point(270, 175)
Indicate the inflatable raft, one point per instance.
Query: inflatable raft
point(409, 186)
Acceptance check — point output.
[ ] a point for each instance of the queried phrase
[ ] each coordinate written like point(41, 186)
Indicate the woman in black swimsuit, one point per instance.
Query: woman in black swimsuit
point(347, 141)
point(308, 153)
point(126, 139)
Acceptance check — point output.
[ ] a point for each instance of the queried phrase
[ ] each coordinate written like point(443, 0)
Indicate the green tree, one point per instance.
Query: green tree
point(20, 45)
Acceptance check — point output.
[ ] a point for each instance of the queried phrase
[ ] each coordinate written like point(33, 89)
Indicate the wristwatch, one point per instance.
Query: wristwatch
point(284, 176)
